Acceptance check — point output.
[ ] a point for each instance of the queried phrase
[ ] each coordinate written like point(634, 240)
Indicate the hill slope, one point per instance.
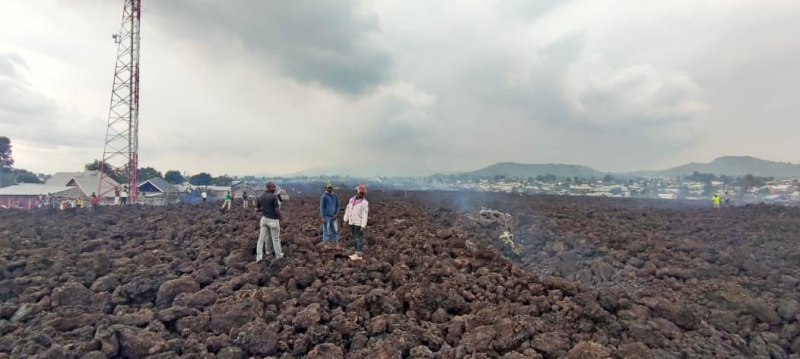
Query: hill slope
point(733, 166)
point(521, 170)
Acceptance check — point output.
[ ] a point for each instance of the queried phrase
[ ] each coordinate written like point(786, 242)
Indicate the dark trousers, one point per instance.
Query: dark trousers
point(358, 236)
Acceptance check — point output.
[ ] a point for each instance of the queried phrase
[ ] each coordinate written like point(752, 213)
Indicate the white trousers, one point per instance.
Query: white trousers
point(269, 228)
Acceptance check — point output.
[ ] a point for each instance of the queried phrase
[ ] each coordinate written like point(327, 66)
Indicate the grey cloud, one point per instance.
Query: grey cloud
point(18, 102)
point(494, 94)
point(529, 10)
point(9, 63)
point(28, 115)
point(330, 43)
point(513, 80)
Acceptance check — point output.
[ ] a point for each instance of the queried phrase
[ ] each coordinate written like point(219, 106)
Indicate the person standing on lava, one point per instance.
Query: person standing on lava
point(244, 199)
point(124, 196)
point(95, 202)
point(271, 222)
point(328, 209)
point(227, 202)
point(715, 200)
point(356, 215)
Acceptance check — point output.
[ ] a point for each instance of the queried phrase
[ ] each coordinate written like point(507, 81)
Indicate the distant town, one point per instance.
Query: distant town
point(698, 186)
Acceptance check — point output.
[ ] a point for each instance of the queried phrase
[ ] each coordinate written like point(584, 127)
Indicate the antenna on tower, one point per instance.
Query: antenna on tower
point(121, 149)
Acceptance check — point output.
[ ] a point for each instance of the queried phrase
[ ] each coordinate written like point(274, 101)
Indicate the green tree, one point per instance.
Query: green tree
point(608, 179)
point(6, 161)
point(117, 174)
point(747, 182)
point(23, 176)
point(96, 165)
point(201, 179)
point(223, 180)
point(174, 177)
point(147, 173)
point(701, 177)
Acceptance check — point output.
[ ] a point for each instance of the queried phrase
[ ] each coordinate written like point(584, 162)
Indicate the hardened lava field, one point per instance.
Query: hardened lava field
point(581, 278)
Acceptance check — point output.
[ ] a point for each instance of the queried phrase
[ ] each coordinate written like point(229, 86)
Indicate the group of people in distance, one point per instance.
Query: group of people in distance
point(355, 215)
point(229, 200)
point(716, 200)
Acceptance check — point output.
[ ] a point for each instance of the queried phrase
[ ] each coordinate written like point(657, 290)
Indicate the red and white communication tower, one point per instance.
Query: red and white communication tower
point(121, 151)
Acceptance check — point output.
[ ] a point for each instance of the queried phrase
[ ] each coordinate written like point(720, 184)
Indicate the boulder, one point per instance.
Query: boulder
point(307, 317)
point(788, 309)
point(106, 283)
point(588, 350)
point(234, 312)
point(138, 343)
point(197, 300)
point(764, 312)
point(171, 288)
point(231, 353)
point(326, 351)
point(71, 294)
point(553, 344)
point(257, 338)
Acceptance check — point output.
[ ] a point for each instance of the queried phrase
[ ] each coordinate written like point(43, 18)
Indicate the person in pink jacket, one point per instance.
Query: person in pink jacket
point(356, 215)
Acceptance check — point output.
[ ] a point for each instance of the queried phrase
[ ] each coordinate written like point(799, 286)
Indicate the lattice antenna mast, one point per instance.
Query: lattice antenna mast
point(121, 151)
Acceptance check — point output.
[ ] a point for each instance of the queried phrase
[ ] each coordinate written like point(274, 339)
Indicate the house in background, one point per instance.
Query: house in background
point(216, 191)
point(88, 182)
point(157, 185)
point(28, 194)
point(158, 192)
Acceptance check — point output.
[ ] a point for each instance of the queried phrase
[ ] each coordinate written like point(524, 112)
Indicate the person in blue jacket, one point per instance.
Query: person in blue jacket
point(328, 209)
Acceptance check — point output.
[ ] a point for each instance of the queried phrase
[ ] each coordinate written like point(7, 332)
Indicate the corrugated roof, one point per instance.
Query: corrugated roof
point(32, 190)
point(217, 188)
point(87, 181)
point(89, 185)
point(62, 178)
point(161, 184)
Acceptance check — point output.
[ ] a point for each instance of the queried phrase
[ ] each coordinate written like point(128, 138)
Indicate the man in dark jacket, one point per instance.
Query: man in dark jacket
point(328, 209)
point(271, 222)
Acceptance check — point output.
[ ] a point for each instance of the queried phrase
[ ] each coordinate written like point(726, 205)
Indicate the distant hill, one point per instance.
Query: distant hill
point(357, 171)
point(521, 170)
point(728, 165)
point(731, 166)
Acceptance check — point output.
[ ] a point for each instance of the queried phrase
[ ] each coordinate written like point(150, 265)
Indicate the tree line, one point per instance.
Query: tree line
point(10, 175)
point(171, 176)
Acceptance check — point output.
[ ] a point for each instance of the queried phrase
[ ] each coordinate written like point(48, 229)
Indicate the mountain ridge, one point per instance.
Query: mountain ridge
point(725, 165)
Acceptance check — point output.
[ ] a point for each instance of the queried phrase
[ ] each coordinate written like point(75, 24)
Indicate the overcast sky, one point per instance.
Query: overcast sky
point(402, 86)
